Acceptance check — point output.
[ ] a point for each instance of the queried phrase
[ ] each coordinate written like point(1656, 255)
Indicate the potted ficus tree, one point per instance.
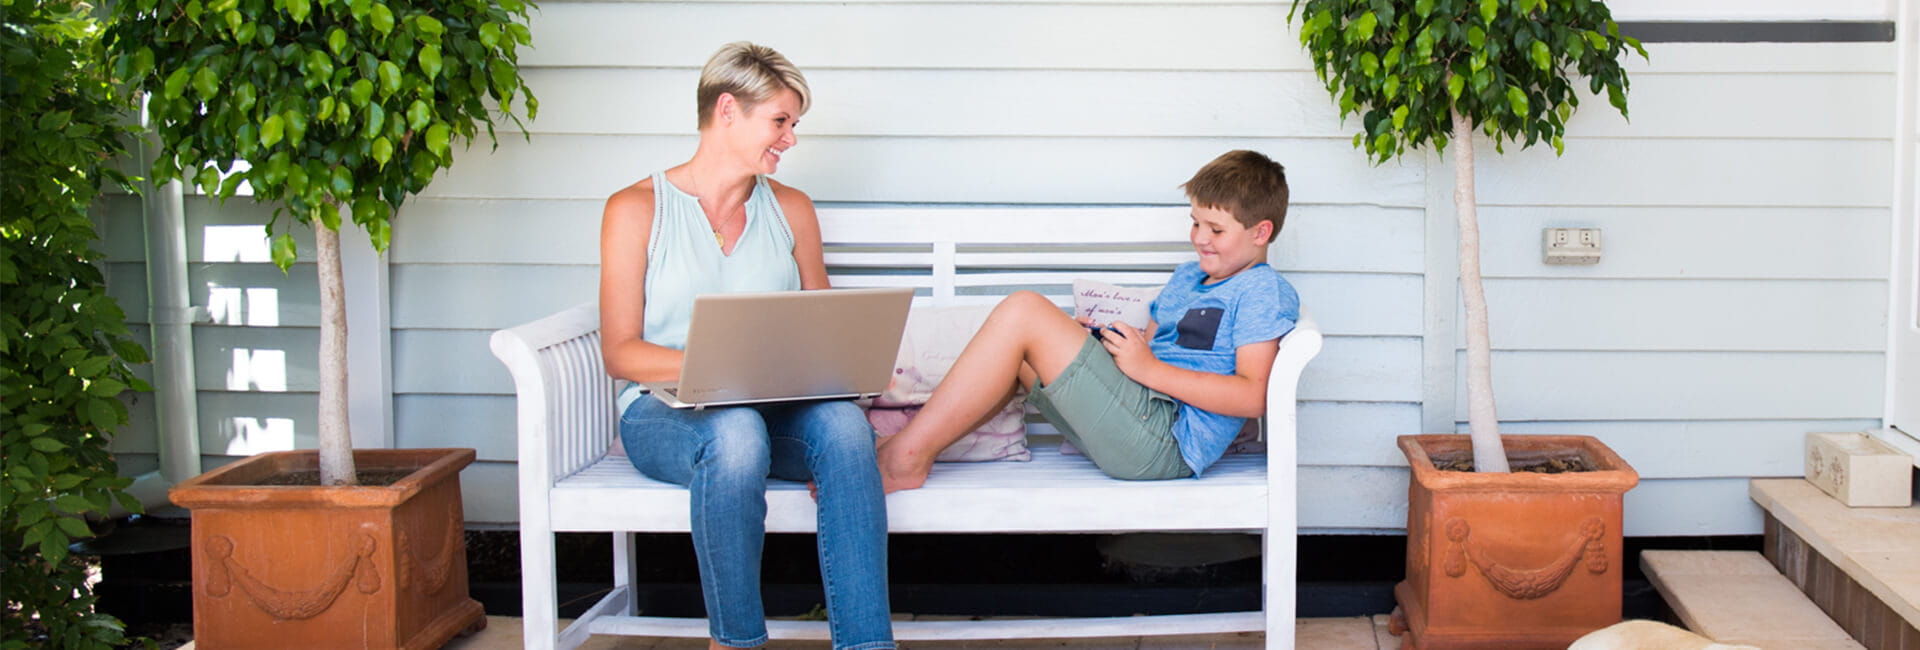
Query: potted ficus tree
point(1494, 558)
point(332, 110)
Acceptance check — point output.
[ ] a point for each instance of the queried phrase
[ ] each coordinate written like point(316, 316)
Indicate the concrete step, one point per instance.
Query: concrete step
point(1736, 597)
point(1859, 565)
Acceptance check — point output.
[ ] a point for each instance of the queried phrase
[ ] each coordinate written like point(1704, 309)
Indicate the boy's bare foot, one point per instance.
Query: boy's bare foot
point(897, 472)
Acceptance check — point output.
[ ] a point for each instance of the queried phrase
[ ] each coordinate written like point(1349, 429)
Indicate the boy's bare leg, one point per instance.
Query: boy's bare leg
point(1025, 331)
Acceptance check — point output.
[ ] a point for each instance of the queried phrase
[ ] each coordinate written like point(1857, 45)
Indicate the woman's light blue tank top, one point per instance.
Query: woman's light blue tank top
point(683, 261)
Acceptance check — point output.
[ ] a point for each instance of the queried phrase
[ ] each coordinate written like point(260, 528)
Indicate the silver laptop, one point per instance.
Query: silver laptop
point(747, 348)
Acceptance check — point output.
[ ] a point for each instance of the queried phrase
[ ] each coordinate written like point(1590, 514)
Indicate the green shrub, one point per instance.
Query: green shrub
point(64, 344)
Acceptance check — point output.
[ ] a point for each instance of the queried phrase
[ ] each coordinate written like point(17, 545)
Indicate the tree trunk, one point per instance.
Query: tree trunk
point(1484, 424)
point(336, 443)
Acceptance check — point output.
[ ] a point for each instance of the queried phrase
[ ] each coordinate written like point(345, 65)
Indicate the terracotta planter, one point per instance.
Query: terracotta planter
point(1517, 560)
point(330, 567)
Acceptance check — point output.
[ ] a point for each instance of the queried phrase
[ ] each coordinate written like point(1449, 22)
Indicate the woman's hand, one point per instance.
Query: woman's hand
point(1128, 347)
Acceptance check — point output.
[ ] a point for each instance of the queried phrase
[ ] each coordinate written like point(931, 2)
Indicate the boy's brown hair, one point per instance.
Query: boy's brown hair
point(1247, 184)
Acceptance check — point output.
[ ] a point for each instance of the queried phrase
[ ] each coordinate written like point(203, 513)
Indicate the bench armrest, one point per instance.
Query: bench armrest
point(564, 396)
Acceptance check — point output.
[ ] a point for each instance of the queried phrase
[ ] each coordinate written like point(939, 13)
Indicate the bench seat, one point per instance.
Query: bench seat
point(1053, 492)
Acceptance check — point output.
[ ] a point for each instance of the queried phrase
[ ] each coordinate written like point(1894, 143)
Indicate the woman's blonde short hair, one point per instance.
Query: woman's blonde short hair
point(752, 74)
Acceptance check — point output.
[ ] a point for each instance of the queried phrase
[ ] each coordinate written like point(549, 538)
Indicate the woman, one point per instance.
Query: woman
point(717, 224)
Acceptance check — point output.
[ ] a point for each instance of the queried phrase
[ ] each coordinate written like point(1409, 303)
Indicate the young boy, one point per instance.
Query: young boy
point(1143, 405)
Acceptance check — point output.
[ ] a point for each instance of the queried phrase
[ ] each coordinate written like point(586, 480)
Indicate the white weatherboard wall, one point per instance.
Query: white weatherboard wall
point(1741, 303)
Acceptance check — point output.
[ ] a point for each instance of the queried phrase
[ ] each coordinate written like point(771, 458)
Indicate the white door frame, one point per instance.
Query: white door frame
point(1903, 304)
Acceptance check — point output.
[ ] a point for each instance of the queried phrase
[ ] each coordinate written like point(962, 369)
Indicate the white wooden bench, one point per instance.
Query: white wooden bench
point(568, 483)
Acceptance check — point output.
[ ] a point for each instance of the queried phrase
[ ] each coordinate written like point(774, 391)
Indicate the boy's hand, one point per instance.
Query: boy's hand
point(1128, 347)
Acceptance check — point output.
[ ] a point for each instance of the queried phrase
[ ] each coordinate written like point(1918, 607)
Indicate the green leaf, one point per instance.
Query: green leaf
point(297, 179)
point(1400, 118)
point(437, 139)
point(129, 351)
point(53, 547)
point(72, 503)
point(318, 68)
point(48, 445)
point(337, 41)
point(100, 412)
point(418, 115)
point(1489, 9)
point(381, 150)
point(430, 61)
point(1423, 8)
point(342, 184)
point(283, 252)
point(298, 10)
point(176, 83)
point(1559, 146)
point(1455, 84)
point(380, 233)
point(106, 387)
point(74, 527)
point(208, 179)
point(142, 62)
point(272, 130)
point(381, 19)
point(92, 366)
point(429, 25)
point(360, 92)
point(376, 119)
point(329, 217)
point(1518, 100)
point(1369, 64)
point(325, 109)
point(296, 126)
point(1365, 26)
point(1542, 56)
point(389, 78)
point(244, 97)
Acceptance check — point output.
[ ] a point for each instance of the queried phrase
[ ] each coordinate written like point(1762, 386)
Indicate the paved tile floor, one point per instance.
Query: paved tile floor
point(1357, 633)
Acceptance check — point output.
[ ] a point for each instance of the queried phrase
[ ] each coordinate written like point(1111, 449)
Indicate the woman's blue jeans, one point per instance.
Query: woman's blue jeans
point(724, 457)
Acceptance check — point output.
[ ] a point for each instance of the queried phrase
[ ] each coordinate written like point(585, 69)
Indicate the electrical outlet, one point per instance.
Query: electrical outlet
point(1571, 245)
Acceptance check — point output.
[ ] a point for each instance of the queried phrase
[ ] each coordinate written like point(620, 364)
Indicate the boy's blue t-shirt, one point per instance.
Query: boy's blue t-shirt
point(1200, 327)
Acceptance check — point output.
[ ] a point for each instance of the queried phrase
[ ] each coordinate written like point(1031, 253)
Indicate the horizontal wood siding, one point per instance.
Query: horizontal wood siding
point(1741, 301)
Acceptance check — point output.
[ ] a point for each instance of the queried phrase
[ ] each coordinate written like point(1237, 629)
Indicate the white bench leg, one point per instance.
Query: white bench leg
point(539, 604)
point(1277, 597)
point(625, 570)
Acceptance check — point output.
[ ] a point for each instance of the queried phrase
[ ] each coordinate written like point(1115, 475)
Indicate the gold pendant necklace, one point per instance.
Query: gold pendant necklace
point(718, 239)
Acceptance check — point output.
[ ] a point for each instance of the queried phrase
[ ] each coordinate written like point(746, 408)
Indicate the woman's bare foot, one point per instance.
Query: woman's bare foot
point(897, 470)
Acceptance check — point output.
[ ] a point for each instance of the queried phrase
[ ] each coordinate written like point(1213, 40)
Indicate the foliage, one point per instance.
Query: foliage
point(1403, 66)
point(335, 104)
point(64, 344)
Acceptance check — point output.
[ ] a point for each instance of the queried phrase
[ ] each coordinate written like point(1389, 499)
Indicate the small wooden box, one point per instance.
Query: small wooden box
point(1859, 470)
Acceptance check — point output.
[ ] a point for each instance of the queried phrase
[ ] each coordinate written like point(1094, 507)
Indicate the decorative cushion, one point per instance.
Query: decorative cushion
point(933, 340)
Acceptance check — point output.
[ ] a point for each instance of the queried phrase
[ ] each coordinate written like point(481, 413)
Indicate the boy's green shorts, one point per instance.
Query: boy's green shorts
point(1124, 427)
